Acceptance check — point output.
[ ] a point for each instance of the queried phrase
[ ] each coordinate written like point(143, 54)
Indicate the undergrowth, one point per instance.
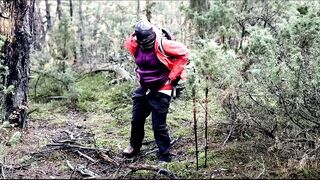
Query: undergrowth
point(107, 111)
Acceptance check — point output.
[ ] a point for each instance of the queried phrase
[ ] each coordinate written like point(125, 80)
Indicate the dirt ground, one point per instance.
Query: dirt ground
point(65, 147)
point(33, 158)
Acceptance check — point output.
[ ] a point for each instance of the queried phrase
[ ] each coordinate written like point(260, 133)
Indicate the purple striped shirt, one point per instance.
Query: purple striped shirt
point(152, 74)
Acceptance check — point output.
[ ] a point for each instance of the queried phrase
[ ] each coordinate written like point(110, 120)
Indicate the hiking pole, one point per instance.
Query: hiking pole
point(206, 126)
point(195, 123)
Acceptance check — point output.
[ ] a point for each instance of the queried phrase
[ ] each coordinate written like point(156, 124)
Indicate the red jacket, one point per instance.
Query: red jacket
point(175, 57)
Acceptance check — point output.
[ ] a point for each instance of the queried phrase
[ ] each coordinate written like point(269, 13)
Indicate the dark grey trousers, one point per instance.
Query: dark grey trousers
point(157, 104)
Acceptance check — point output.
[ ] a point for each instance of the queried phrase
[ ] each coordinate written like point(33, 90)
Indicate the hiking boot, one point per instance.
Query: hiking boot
point(130, 152)
point(164, 159)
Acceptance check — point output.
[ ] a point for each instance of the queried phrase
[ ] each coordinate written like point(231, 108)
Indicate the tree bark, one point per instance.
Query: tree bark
point(81, 31)
point(199, 5)
point(38, 32)
point(71, 9)
point(16, 52)
point(48, 16)
point(74, 49)
point(59, 9)
point(149, 5)
point(138, 10)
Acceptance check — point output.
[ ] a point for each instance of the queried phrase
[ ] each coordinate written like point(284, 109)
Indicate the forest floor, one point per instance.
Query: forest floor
point(66, 144)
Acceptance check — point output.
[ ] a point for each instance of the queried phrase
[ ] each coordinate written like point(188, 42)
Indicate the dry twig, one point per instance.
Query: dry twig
point(2, 172)
point(263, 168)
point(106, 158)
point(138, 167)
point(83, 171)
point(72, 146)
point(85, 156)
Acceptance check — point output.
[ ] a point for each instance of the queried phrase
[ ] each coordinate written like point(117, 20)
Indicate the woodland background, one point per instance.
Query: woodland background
point(66, 84)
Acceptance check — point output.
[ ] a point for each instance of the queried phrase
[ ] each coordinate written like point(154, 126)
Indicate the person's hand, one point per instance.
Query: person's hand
point(175, 82)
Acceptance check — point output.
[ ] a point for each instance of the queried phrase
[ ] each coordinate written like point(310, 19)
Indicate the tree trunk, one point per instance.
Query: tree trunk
point(199, 5)
point(16, 52)
point(59, 9)
point(138, 10)
point(149, 5)
point(71, 9)
point(81, 31)
point(48, 16)
point(38, 28)
point(75, 57)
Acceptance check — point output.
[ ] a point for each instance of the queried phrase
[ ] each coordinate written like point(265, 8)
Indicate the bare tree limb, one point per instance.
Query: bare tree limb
point(72, 146)
point(228, 136)
point(106, 158)
point(82, 170)
point(85, 156)
point(3, 176)
point(263, 168)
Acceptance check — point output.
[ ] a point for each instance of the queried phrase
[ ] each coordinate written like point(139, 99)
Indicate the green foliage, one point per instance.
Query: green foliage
point(91, 91)
point(261, 59)
point(219, 65)
point(62, 45)
point(271, 81)
point(15, 138)
point(285, 64)
point(217, 20)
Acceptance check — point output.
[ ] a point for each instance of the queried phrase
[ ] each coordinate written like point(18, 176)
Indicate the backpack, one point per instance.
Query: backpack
point(178, 86)
point(167, 34)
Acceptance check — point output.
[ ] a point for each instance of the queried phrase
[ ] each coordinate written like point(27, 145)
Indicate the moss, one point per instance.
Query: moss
point(308, 173)
point(15, 139)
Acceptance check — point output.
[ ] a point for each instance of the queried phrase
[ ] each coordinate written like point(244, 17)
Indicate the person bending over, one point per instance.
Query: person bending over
point(160, 64)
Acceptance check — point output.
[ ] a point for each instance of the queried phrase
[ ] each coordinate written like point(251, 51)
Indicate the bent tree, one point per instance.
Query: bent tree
point(15, 58)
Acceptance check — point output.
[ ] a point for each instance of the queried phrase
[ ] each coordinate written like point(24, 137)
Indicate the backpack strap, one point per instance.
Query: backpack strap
point(161, 47)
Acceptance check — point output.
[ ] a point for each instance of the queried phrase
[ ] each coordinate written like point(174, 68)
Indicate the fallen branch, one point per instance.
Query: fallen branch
point(85, 156)
point(56, 98)
point(47, 74)
point(11, 167)
point(138, 167)
point(70, 141)
point(120, 72)
point(263, 169)
point(106, 158)
point(2, 172)
point(116, 173)
point(228, 136)
point(73, 146)
point(74, 169)
point(82, 170)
